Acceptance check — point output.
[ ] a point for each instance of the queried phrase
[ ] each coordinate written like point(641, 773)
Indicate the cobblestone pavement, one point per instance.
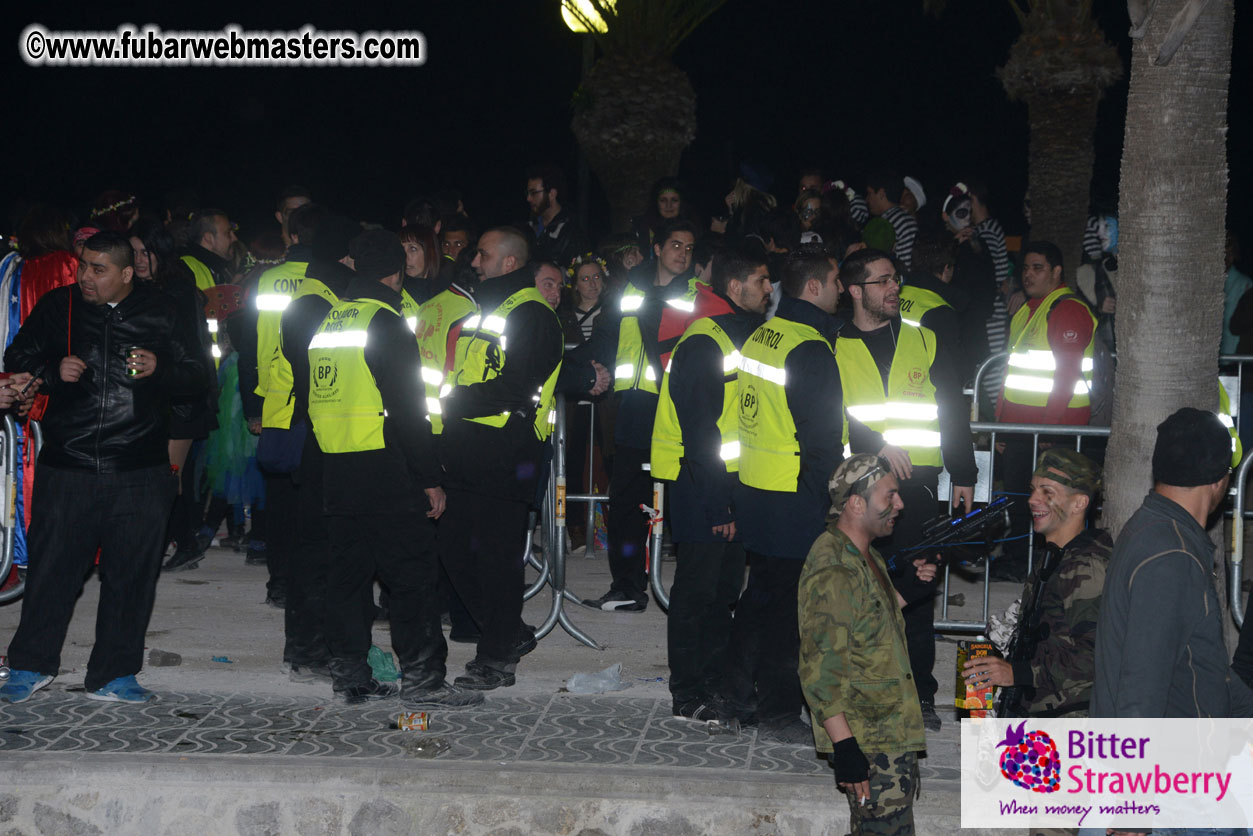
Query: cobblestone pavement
point(561, 728)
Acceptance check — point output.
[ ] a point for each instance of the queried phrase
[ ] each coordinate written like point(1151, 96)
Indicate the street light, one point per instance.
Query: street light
point(586, 11)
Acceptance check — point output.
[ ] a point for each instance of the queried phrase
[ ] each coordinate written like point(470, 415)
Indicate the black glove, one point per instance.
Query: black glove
point(851, 766)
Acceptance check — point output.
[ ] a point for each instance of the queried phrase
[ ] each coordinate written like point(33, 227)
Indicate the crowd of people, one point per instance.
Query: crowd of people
point(362, 406)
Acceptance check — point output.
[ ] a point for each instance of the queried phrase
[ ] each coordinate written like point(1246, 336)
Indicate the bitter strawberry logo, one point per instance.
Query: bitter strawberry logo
point(1030, 759)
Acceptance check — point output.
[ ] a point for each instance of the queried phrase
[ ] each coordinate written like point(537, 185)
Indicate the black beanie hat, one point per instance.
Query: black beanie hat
point(1193, 448)
point(377, 254)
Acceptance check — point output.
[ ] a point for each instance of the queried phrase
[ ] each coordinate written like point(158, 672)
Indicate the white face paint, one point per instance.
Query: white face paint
point(959, 214)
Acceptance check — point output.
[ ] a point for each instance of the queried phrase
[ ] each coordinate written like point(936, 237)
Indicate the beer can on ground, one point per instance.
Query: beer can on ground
point(412, 721)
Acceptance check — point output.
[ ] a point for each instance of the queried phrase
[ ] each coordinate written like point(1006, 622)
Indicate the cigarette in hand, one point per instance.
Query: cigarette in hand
point(863, 801)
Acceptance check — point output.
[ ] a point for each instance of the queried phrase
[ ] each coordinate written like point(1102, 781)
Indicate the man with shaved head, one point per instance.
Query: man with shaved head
point(496, 419)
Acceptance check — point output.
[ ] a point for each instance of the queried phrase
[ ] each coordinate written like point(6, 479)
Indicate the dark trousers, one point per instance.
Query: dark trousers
point(188, 504)
point(309, 566)
point(629, 487)
point(765, 642)
point(707, 581)
point(282, 505)
point(480, 546)
point(72, 513)
point(918, 494)
point(400, 549)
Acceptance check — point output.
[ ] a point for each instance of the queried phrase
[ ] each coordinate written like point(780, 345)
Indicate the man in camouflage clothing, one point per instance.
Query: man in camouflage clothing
point(1057, 680)
point(854, 665)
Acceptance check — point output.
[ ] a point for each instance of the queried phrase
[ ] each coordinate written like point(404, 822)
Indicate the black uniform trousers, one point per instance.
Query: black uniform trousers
point(707, 581)
point(629, 487)
point(480, 545)
point(72, 513)
point(282, 507)
point(765, 643)
point(918, 494)
point(400, 550)
point(309, 566)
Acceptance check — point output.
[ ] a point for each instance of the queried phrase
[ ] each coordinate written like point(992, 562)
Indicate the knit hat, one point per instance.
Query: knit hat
point(377, 254)
point(1069, 468)
point(1193, 448)
point(858, 472)
point(879, 235)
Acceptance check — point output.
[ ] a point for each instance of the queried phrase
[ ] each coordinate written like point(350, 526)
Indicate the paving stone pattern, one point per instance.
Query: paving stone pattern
point(559, 728)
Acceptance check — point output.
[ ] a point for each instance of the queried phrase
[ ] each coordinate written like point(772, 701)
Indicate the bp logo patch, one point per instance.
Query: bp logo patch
point(916, 376)
point(749, 404)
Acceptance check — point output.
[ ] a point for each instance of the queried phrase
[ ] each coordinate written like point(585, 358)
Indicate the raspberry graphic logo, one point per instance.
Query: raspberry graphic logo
point(1030, 759)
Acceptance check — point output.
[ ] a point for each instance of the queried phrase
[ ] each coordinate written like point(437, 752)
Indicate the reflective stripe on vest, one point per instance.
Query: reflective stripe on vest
point(667, 449)
point(631, 368)
point(436, 319)
point(906, 413)
point(345, 405)
point(409, 310)
point(275, 289)
point(1031, 366)
point(204, 280)
point(769, 451)
point(280, 398)
point(481, 356)
point(917, 301)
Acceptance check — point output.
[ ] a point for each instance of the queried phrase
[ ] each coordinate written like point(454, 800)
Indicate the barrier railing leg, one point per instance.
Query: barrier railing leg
point(553, 523)
point(10, 465)
point(655, 535)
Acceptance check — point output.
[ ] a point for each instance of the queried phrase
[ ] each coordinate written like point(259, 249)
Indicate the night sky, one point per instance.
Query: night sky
point(847, 84)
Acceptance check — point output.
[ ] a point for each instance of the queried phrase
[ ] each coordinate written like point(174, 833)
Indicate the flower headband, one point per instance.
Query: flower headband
point(961, 190)
point(583, 260)
point(839, 185)
point(113, 207)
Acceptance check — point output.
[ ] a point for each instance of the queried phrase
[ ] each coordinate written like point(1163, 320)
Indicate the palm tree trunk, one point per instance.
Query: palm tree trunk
point(1171, 228)
point(1059, 168)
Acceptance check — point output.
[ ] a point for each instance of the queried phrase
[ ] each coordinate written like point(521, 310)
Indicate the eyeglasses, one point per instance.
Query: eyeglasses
point(896, 280)
point(534, 192)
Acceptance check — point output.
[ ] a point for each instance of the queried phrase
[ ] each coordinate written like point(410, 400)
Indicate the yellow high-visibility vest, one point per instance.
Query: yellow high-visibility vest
point(906, 414)
point(917, 301)
point(345, 405)
point(1029, 374)
point(631, 369)
point(667, 444)
point(769, 450)
point(436, 318)
point(275, 289)
point(482, 351)
point(280, 400)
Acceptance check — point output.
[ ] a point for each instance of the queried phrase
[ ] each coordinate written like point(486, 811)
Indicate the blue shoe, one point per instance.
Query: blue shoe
point(122, 689)
point(21, 685)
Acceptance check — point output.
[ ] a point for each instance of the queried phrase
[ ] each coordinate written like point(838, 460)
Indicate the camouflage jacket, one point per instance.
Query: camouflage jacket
point(853, 657)
point(1064, 661)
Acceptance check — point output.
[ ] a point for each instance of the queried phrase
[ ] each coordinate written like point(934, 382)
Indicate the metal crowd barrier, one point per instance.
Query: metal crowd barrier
point(8, 495)
point(553, 528)
point(1235, 577)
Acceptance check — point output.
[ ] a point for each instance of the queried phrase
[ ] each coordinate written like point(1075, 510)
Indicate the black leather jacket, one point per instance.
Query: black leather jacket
point(106, 421)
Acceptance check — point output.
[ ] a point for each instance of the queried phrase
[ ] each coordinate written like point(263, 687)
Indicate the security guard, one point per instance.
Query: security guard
point(381, 482)
point(905, 404)
point(659, 294)
point(696, 445)
point(929, 299)
point(276, 288)
point(1047, 379)
point(791, 422)
point(326, 281)
point(496, 419)
point(213, 235)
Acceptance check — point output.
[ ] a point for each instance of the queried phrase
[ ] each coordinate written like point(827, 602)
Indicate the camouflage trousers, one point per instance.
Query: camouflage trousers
point(894, 784)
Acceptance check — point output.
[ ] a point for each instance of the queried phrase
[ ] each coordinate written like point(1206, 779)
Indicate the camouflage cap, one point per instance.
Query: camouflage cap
point(1070, 468)
point(859, 472)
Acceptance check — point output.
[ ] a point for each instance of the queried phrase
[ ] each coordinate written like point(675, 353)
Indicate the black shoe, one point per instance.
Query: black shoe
point(310, 673)
point(526, 641)
point(277, 599)
point(442, 695)
point(613, 601)
point(480, 677)
point(372, 690)
point(699, 710)
point(183, 560)
point(930, 720)
point(794, 733)
point(254, 557)
point(203, 541)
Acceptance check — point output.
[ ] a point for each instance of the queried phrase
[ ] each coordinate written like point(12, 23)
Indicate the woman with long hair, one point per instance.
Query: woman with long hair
point(421, 262)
